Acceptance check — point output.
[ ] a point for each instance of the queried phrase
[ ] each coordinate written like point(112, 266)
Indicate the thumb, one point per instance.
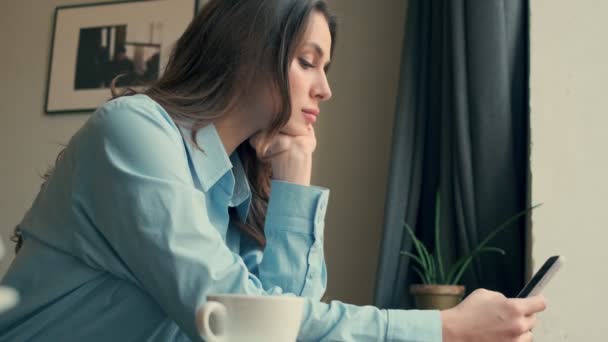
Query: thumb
point(254, 140)
point(531, 305)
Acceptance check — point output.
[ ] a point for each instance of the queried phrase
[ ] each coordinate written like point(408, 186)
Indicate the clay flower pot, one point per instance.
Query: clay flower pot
point(436, 297)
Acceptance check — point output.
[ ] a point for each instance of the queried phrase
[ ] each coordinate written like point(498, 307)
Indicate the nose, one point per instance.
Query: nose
point(322, 91)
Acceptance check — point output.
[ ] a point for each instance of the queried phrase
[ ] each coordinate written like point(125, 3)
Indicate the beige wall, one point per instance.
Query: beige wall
point(354, 130)
point(569, 70)
point(29, 140)
point(354, 141)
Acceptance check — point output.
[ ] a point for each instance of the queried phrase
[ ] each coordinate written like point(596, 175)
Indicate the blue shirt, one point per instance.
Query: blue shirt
point(132, 231)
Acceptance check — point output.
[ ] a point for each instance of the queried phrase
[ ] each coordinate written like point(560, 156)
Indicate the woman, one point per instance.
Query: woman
point(166, 196)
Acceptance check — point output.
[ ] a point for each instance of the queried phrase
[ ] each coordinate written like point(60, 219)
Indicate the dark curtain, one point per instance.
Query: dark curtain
point(461, 127)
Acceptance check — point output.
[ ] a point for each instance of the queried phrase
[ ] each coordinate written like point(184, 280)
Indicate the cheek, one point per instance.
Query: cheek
point(296, 83)
point(297, 124)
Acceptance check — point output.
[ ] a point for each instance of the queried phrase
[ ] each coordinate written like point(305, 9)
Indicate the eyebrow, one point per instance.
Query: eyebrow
point(319, 51)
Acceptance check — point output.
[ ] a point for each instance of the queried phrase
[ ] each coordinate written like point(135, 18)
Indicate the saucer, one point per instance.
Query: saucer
point(8, 298)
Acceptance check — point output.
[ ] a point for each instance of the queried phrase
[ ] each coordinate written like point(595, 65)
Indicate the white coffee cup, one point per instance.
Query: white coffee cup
point(237, 318)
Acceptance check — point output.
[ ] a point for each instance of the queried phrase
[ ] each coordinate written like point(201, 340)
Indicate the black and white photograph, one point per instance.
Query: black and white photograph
point(105, 52)
point(94, 45)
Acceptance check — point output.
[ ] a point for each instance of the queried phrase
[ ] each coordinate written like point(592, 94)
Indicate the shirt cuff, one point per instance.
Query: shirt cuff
point(414, 325)
point(296, 208)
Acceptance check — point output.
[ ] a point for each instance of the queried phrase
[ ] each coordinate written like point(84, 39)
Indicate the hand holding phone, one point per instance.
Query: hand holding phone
point(540, 279)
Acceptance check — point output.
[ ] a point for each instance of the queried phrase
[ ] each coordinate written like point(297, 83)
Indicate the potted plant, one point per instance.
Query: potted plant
point(440, 287)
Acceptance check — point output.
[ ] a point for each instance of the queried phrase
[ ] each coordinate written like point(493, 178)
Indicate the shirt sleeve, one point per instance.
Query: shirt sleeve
point(135, 189)
point(293, 258)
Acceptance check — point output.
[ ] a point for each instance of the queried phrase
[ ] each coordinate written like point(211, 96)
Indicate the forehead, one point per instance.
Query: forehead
point(317, 32)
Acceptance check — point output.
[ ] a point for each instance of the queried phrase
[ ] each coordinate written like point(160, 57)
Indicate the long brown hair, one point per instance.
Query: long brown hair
point(227, 46)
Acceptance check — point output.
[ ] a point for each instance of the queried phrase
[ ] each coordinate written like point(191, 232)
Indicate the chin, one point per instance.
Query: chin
point(296, 129)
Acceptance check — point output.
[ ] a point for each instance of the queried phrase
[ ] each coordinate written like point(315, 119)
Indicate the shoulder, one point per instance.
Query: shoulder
point(137, 102)
point(135, 131)
point(134, 114)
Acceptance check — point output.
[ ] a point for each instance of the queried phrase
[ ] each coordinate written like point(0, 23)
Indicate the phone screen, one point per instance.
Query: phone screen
point(542, 277)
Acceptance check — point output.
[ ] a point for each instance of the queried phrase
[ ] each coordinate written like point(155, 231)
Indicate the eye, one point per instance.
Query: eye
point(305, 64)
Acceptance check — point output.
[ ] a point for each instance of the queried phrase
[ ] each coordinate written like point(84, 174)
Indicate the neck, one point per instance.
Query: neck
point(234, 128)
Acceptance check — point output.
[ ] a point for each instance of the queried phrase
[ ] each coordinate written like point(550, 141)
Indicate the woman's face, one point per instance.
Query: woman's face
point(307, 78)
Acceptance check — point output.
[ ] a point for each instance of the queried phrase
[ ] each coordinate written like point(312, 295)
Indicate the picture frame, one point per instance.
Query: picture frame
point(92, 43)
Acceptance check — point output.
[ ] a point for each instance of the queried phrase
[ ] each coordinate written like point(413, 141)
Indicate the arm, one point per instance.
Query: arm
point(293, 258)
point(136, 190)
point(490, 316)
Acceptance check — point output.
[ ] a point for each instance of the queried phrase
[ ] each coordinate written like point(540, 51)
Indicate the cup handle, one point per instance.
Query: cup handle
point(202, 320)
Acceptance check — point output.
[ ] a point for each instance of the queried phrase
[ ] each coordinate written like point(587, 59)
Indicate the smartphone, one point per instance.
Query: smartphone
point(538, 282)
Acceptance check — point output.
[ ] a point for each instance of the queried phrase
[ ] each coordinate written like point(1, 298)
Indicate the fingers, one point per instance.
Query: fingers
point(527, 337)
point(277, 145)
point(521, 326)
point(270, 147)
point(530, 322)
point(488, 294)
point(254, 140)
point(525, 319)
point(530, 305)
point(298, 131)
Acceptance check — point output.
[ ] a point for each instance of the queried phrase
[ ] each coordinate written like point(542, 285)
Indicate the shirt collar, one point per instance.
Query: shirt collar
point(213, 163)
point(241, 196)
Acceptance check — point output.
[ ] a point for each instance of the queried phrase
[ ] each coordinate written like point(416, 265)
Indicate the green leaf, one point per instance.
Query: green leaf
point(481, 247)
point(432, 264)
point(433, 270)
point(417, 259)
point(493, 249)
point(430, 261)
point(469, 258)
point(504, 225)
point(454, 268)
point(420, 249)
point(423, 278)
point(437, 240)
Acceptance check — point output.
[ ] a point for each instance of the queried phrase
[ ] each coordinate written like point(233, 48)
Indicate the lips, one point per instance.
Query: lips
point(312, 111)
point(310, 114)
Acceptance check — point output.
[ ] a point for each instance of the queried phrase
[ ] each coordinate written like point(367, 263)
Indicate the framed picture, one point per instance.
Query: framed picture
point(93, 43)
